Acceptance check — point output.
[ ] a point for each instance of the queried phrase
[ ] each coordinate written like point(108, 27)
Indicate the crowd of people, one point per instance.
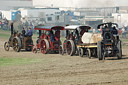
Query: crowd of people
point(124, 31)
point(4, 24)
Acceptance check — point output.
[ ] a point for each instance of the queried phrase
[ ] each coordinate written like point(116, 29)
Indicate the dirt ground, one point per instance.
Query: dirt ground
point(64, 70)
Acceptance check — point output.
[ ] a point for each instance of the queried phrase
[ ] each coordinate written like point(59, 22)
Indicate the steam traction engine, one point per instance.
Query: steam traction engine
point(110, 44)
point(73, 38)
point(18, 42)
point(49, 39)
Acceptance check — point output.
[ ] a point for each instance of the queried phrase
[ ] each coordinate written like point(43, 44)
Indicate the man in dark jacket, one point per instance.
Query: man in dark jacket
point(23, 32)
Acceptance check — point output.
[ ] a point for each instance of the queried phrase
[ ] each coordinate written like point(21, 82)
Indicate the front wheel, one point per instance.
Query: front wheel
point(6, 46)
point(99, 51)
point(44, 46)
point(34, 50)
point(119, 54)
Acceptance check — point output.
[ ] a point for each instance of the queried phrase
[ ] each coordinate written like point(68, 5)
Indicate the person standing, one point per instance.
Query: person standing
point(29, 33)
point(52, 37)
point(31, 26)
point(123, 32)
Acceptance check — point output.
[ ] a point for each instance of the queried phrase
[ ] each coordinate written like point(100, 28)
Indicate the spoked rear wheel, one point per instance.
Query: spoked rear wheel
point(16, 44)
point(70, 47)
point(6, 46)
point(44, 46)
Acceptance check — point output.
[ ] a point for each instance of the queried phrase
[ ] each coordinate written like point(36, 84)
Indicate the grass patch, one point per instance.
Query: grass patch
point(4, 34)
point(35, 36)
point(124, 40)
point(6, 61)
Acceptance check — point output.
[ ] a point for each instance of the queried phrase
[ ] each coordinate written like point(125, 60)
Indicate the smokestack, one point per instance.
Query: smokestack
point(12, 29)
point(39, 33)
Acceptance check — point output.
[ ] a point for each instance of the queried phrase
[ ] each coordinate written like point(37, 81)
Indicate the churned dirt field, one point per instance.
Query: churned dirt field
point(54, 69)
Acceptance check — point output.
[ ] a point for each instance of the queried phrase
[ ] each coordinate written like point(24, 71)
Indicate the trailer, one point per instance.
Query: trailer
point(88, 46)
point(87, 49)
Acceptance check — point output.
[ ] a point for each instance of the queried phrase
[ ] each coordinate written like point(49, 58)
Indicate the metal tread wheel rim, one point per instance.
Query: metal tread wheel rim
point(6, 46)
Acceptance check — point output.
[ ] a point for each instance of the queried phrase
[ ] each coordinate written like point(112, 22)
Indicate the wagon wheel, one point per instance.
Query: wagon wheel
point(81, 52)
point(99, 51)
point(6, 46)
point(16, 44)
point(70, 47)
point(28, 43)
point(44, 46)
point(94, 53)
point(88, 53)
point(119, 55)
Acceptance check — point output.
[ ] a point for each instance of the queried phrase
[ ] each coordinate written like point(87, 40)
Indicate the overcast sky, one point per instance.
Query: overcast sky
point(73, 3)
point(81, 3)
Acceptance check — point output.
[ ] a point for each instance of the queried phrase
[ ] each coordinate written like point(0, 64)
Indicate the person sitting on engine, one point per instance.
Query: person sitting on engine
point(71, 36)
point(105, 29)
point(51, 36)
point(57, 35)
point(115, 32)
point(76, 35)
point(67, 34)
point(29, 33)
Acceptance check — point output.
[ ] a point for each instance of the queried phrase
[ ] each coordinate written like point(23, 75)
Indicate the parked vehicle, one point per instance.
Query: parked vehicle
point(49, 39)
